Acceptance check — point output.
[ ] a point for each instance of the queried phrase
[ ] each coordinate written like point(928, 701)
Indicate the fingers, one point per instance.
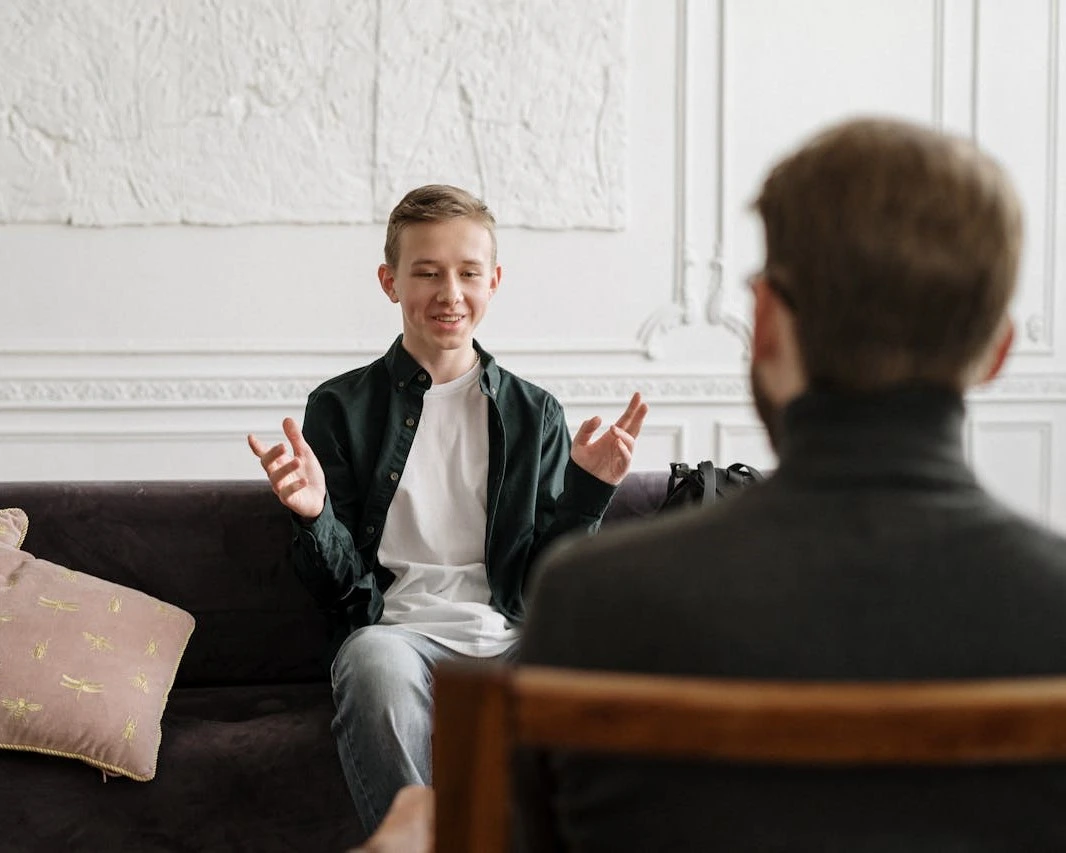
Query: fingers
point(632, 418)
point(623, 438)
point(295, 437)
point(275, 460)
point(585, 431)
point(268, 459)
point(290, 489)
point(258, 448)
point(290, 472)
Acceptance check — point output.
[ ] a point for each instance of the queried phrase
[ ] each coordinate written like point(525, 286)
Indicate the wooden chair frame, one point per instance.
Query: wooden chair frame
point(483, 714)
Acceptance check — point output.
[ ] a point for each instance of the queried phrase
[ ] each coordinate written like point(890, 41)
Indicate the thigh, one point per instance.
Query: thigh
point(380, 658)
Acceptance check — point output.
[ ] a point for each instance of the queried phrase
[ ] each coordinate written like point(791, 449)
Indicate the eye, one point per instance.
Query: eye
point(471, 274)
point(425, 274)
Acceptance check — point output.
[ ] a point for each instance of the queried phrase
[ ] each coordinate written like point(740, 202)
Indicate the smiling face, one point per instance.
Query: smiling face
point(443, 280)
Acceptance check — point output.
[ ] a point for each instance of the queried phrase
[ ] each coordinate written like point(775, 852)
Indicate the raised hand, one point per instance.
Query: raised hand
point(296, 477)
point(608, 457)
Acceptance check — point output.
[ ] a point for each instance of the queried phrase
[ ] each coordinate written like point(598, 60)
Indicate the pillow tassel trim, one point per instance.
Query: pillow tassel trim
point(25, 530)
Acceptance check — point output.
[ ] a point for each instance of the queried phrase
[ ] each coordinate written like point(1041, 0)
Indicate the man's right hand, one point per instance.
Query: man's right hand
point(296, 477)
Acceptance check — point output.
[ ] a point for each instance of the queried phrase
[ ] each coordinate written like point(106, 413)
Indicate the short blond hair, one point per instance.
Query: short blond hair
point(899, 247)
point(435, 203)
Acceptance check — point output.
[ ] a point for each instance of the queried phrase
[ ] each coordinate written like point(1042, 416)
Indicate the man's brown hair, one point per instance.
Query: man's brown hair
point(435, 203)
point(897, 247)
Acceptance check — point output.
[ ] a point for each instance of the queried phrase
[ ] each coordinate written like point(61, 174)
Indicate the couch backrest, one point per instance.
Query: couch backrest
point(218, 549)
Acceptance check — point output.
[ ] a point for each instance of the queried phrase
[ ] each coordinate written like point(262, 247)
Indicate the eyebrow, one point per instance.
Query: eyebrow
point(433, 261)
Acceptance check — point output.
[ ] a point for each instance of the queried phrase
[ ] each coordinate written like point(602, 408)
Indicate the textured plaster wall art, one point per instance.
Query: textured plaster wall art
point(521, 100)
point(116, 112)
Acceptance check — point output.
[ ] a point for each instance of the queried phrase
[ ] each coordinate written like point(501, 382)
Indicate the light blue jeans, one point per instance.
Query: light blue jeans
point(382, 689)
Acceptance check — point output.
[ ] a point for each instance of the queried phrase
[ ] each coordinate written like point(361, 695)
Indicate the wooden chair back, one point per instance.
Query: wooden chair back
point(483, 714)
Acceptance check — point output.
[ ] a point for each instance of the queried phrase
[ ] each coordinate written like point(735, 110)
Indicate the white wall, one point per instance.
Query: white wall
point(228, 167)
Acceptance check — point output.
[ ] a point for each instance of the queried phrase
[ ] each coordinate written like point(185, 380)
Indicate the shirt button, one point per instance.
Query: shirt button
point(394, 476)
point(400, 384)
point(370, 528)
point(493, 390)
point(410, 421)
point(421, 377)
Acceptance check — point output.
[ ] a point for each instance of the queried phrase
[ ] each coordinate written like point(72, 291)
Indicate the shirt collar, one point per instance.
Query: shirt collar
point(405, 372)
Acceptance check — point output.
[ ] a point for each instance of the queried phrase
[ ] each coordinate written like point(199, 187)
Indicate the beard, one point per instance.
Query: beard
point(768, 413)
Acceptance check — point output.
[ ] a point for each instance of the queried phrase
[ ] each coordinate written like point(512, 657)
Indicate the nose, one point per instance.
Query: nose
point(450, 292)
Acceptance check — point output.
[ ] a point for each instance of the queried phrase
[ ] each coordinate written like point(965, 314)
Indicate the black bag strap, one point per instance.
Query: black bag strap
point(745, 471)
point(710, 481)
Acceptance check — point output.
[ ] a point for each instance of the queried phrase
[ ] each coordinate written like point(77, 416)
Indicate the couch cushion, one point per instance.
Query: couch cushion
point(249, 768)
point(86, 665)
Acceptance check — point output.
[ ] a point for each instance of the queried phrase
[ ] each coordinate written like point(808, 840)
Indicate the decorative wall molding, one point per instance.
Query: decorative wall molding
point(151, 393)
point(1023, 388)
point(257, 391)
point(1036, 328)
point(242, 392)
point(1042, 430)
point(729, 436)
point(359, 351)
point(699, 209)
point(939, 54)
point(139, 434)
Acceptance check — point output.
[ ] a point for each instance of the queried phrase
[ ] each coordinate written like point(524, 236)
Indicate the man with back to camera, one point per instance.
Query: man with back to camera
point(423, 487)
point(871, 553)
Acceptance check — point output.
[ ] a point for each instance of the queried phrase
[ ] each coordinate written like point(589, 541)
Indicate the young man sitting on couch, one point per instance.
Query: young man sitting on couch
point(424, 486)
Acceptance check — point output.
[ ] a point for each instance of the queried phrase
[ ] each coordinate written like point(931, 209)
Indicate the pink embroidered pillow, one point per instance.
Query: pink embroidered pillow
point(86, 665)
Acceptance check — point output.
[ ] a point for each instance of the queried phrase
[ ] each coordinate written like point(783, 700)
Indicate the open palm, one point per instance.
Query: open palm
point(608, 457)
point(296, 477)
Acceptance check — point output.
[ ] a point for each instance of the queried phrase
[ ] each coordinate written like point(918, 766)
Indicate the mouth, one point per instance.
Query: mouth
point(449, 319)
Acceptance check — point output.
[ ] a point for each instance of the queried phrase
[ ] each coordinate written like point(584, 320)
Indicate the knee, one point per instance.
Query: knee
point(375, 661)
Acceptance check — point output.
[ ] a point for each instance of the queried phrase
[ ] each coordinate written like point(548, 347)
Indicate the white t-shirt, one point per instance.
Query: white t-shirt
point(434, 536)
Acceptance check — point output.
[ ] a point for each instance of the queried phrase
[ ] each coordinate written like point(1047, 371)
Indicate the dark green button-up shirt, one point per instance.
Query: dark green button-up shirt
point(361, 425)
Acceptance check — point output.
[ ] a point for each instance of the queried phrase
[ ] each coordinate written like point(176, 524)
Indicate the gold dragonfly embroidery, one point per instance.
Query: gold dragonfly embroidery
point(6, 617)
point(98, 642)
point(140, 681)
point(152, 648)
point(129, 730)
point(81, 685)
point(40, 650)
point(115, 604)
point(56, 605)
point(71, 575)
point(18, 708)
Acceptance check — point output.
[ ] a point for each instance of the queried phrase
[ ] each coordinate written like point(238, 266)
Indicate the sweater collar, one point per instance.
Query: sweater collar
point(908, 432)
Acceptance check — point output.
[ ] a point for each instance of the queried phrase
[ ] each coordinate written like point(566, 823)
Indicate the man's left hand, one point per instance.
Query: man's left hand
point(608, 457)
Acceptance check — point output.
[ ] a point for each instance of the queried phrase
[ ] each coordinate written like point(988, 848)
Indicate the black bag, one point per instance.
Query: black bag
point(706, 484)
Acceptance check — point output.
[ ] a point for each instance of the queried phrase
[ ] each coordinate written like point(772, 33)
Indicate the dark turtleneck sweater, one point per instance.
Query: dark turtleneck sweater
point(871, 553)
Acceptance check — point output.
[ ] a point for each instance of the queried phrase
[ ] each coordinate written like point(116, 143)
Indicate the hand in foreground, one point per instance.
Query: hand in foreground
point(407, 826)
point(609, 456)
point(296, 478)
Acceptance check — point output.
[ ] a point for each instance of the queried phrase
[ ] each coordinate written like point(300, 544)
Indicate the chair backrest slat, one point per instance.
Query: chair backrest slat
point(484, 713)
point(801, 722)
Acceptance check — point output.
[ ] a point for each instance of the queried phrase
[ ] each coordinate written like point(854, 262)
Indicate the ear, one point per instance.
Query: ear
point(387, 278)
point(495, 283)
point(765, 332)
point(1002, 345)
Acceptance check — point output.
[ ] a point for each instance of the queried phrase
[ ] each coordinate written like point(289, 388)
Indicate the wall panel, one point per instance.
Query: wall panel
point(148, 352)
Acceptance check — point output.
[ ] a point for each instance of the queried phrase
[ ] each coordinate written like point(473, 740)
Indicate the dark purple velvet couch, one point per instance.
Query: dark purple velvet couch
point(247, 761)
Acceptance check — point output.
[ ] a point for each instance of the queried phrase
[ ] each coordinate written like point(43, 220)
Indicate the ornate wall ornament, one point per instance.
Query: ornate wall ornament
point(253, 111)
